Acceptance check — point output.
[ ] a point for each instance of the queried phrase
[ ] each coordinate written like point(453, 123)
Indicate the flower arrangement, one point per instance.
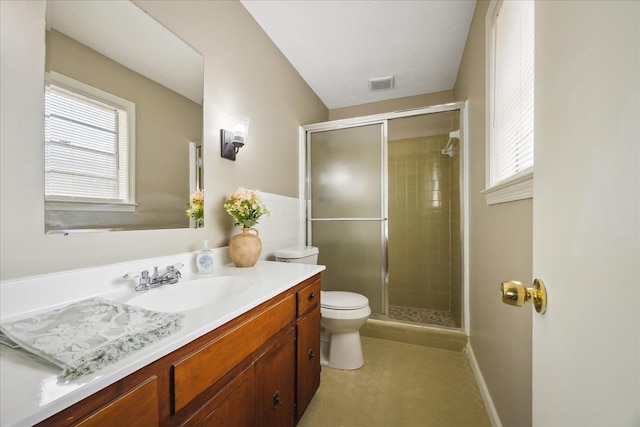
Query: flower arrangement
point(196, 207)
point(246, 207)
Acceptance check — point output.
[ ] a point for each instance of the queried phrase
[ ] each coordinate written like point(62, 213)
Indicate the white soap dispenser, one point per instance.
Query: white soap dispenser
point(204, 259)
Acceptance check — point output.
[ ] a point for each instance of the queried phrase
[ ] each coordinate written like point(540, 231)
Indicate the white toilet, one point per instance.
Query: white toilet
point(343, 314)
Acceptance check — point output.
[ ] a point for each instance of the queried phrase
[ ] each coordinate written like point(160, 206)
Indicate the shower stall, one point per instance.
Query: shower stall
point(385, 208)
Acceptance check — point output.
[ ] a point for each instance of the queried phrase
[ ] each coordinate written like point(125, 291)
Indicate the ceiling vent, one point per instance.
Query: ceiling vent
point(379, 83)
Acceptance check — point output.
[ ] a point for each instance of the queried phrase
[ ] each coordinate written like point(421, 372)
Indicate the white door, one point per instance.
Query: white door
point(586, 347)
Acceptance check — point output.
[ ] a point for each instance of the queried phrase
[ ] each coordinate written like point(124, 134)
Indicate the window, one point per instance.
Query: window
point(510, 40)
point(89, 146)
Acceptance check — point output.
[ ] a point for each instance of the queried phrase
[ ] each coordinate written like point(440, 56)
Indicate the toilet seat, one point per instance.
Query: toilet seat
point(340, 300)
point(353, 314)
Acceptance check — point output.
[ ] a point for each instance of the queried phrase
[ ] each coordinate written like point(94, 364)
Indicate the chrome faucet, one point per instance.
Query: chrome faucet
point(170, 276)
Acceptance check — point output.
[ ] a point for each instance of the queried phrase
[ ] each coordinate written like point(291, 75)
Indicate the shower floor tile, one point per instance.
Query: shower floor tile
point(421, 315)
point(399, 385)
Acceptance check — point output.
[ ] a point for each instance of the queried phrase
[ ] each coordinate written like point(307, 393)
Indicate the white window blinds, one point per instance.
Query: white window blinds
point(86, 148)
point(512, 90)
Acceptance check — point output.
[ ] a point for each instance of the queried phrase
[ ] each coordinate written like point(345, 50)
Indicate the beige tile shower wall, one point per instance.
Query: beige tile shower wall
point(419, 223)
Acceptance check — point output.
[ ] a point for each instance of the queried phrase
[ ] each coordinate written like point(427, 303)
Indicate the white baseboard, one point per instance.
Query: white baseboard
point(486, 396)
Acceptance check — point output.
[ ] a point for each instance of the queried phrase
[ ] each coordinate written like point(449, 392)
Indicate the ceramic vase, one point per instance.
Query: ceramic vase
point(245, 248)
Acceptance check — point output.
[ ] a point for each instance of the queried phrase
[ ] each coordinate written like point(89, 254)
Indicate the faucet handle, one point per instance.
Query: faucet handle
point(155, 272)
point(132, 275)
point(144, 282)
point(173, 271)
point(144, 276)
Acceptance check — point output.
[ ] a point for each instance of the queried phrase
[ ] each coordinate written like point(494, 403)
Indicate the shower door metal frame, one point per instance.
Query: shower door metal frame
point(384, 219)
point(383, 118)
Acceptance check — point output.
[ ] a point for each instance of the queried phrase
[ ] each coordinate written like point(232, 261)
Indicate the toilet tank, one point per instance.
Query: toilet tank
point(298, 254)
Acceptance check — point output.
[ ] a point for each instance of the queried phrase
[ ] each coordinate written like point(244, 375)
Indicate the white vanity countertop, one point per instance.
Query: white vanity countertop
point(30, 391)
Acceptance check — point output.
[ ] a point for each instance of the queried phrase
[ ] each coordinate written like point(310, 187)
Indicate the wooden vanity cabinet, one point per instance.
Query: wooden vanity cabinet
point(259, 369)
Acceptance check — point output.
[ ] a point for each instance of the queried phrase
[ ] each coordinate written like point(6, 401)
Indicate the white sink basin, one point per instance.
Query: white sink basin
point(190, 295)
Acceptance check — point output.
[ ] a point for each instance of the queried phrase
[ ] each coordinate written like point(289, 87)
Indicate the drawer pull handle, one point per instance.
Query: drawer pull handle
point(277, 400)
point(311, 354)
point(311, 296)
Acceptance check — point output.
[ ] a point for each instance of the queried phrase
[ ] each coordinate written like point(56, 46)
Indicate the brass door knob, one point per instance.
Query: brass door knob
point(514, 293)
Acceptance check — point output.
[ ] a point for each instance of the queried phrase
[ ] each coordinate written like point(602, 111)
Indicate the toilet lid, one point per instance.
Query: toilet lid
point(340, 300)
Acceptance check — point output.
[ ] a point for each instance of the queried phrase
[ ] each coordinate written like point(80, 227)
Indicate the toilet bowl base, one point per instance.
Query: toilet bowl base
point(342, 351)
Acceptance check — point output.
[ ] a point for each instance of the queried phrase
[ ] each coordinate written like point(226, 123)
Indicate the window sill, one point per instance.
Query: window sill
point(518, 188)
point(57, 205)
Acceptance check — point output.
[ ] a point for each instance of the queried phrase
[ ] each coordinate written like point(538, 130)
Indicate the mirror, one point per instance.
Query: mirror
point(129, 156)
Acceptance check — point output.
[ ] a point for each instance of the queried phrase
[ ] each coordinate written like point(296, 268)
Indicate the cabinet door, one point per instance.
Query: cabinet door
point(275, 384)
point(308, 360)
point(232, 406)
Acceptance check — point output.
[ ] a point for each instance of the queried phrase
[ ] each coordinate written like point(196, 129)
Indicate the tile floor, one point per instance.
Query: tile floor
point(421, 315)
point(400, 385)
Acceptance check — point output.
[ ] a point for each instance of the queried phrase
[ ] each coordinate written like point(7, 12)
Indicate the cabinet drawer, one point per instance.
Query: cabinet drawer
point(308, 297)
point(138, 407)
point(196, 372)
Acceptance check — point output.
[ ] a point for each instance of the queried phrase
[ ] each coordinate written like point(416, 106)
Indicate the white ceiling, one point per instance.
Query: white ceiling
point(338, 45)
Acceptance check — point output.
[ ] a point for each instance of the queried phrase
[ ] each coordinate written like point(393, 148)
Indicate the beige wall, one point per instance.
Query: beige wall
point(500, 249)
point(244, 73)
point(417, 101)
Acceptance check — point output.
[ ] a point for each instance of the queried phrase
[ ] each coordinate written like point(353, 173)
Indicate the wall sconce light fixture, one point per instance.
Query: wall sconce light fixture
point(231, 142)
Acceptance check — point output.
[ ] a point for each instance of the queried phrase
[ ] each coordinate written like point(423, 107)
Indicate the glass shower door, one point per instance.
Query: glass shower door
point(347, 209)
